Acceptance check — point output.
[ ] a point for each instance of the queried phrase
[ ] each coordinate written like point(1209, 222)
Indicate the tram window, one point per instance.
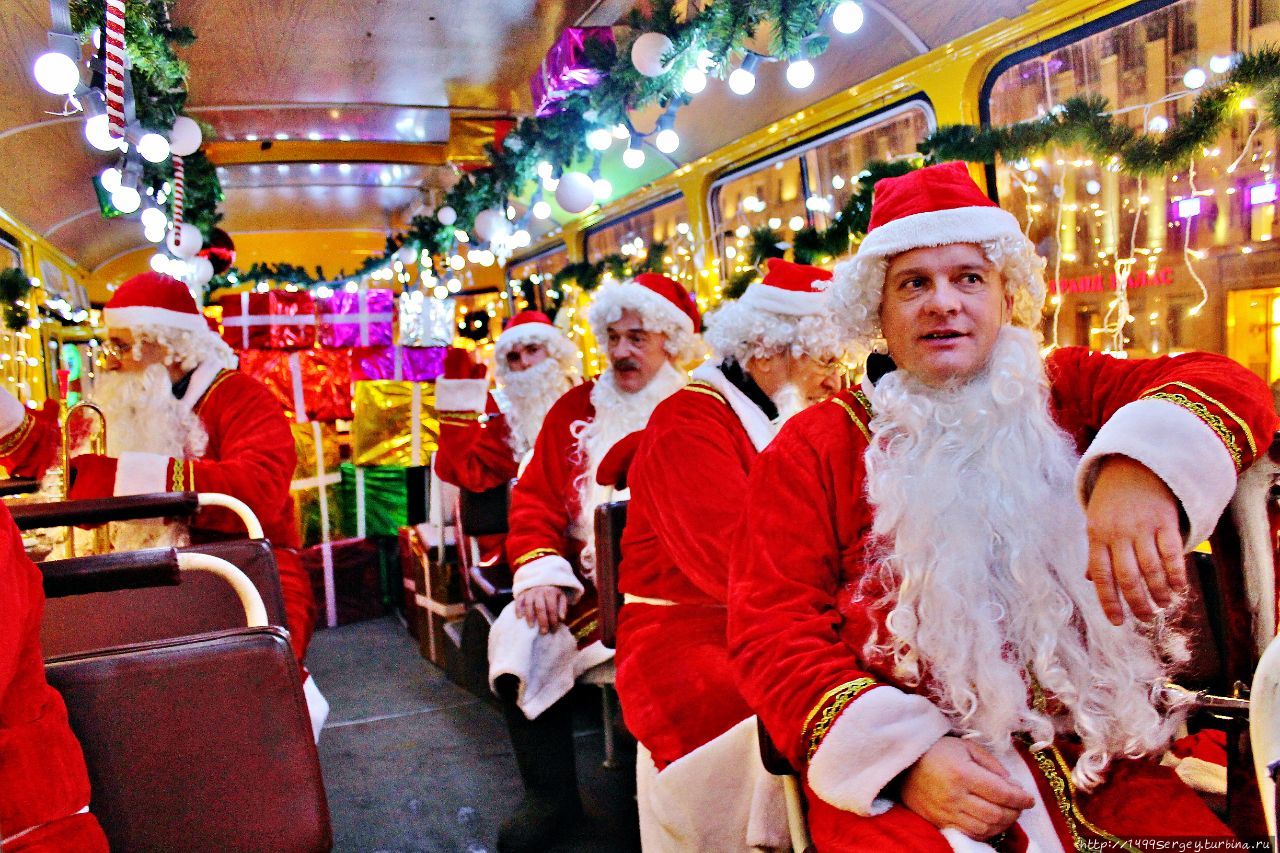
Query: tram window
point(809, 184)
point(532, 277)
point(1263, 12)
point(634, 235)
point(10, 255)
point(1169, 232)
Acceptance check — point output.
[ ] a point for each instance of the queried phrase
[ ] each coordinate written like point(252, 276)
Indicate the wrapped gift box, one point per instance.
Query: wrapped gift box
point(564, 69)
point(365, 318)
point(277, 319)
point(316, 482)
point(425, 321)
point(379, 500)
point(312, 384)
point(345, 575)
point(438, 591)
point(395, 423)
point(398, 363)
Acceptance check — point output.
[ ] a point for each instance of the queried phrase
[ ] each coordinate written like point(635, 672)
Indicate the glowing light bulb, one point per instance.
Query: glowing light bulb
point(694, 81)
point(1158, 124)
point(153, 217)
point(800, 73)
point(126, 199)
point(153, 147)
point(742, 81)
point(439, 291)
point(545, 170)
point(796, 223)
point(154, 235)
point(453, 286)
point(847, 17)
point(1220, 64)
point(1194, 78)
point(541, 210)
point(599, 139)
point(603, 189)
point(633, 158)
point(110, 179)
point(56, 73)
point(620, 131)
point(159, 262)
point(667, 140)
point(97, 131)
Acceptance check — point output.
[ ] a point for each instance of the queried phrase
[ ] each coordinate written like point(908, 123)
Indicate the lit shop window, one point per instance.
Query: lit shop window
point(807, 185)
point(1180, 241)
point(530, 279)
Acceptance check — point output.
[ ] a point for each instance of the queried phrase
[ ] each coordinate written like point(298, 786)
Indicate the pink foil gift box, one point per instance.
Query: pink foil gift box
point(361, 319)
point(563, 70)
point(398, 363)
point(277, 319)
point(311, 385)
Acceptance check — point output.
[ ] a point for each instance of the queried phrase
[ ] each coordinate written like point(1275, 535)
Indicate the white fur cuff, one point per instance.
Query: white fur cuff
point(12, 413)
point(876, 737)
point(141, 474)
point(551, 570)
point(461, 395)
point(1179, 448)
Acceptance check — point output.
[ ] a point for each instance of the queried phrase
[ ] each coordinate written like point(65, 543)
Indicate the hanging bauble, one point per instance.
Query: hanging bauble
point(647, 53)
point(201, 270)
point(185, 240)
point(447, 215)
point(220, 250)
point(491, 225)
point(185, 138)
point(576, 192)
point(407, 254)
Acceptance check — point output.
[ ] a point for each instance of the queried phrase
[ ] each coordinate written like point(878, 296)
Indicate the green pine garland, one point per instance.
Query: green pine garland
point(1084, 121)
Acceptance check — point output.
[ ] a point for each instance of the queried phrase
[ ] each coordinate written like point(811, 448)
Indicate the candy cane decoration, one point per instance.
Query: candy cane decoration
point(114, 36)
point(178, 191)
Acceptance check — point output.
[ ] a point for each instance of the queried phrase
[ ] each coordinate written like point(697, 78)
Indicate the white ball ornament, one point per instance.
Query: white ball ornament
point(447, 215)
point(201, 270)
point(647, 52)
point(576, 192)
point(491, 225)
point(185, 240)
point(185, 138)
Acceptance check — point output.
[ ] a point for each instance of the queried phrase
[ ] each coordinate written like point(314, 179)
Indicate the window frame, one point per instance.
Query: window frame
point(639, 210)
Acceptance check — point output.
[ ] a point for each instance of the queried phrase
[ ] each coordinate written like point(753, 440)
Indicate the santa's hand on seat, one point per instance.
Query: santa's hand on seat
point(1135, 540)
point(957, 783)
point(543, 606)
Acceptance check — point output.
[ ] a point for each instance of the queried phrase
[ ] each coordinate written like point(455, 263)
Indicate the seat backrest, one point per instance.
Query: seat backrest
point(200, 743)
point(484, 513)
point(610, 519)
point(199, 604)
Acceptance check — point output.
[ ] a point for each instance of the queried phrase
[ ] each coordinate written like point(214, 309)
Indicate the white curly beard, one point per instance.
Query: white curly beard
point(984, 554)
point(143, 416)
point(530, 394)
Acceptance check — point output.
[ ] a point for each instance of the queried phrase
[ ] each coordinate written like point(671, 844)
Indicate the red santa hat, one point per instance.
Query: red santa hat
point(788, 309)
point(663, 304)
point(934, 206)
point(529, 327)
point(154, 299)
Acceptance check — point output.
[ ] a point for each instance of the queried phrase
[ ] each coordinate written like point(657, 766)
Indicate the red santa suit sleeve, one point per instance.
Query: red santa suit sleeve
point(542, 549)
point(474, 449)
point(44, 785)
point(31, 439)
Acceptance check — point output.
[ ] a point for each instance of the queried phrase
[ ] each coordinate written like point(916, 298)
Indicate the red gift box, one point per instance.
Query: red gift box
point(277, 319)
point(312, 384)
point(345, 579)
point(563, 69)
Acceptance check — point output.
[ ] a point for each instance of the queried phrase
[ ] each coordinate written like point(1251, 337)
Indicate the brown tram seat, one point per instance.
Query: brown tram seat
point(484, 514)
point(196, 743)
point(610, 520)
point(118, 617)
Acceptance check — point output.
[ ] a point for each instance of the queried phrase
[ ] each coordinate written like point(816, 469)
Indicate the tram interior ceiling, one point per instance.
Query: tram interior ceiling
point(357, 196)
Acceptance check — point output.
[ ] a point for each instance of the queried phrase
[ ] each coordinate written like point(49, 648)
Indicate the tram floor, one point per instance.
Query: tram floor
point(412, 762)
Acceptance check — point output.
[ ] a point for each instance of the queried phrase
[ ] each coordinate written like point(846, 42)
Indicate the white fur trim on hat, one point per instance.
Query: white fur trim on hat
point(147, 315)
point(529, 333)
point(658, 313)
point(939, 228)
point(765, 297)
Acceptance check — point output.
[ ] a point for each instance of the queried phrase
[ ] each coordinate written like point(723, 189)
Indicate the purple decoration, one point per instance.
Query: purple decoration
point(562, 70)
point(407, 364)
point(361, 319)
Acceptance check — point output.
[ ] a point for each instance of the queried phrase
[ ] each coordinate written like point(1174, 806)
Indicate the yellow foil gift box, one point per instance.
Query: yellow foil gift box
point(316, 481)
point(395, 423)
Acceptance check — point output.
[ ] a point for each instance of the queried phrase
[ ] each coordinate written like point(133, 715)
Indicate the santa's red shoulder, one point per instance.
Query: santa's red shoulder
point(572, 403)
point(234, 385)
point(838, 424)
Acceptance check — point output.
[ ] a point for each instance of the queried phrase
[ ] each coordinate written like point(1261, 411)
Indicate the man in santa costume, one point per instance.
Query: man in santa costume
point(951, 588)
point(483, 441)
point(180, 418)
point(44, 785)
point(549, 635)
point(777, 350)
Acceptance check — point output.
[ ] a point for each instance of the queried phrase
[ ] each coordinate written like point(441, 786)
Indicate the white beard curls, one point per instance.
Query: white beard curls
point(530, 394)
point(790, 402)
point(984, 554)
point(143, 416)
point(618, 414)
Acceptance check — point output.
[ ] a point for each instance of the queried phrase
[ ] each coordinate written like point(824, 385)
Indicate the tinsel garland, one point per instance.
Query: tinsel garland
point(1085, 121)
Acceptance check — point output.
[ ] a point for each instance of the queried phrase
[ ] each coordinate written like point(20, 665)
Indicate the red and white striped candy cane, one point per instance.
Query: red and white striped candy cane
point(178, 190)
point(114, 35)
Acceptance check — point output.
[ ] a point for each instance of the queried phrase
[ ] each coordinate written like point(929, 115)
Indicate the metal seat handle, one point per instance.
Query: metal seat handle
point(255, 612)
point(252, 526)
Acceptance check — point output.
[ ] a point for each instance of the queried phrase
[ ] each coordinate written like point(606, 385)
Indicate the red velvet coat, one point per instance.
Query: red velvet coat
point(43, 780)
point(474, 450)
point(687, 480)
point(542, 546)
point(796, 632)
